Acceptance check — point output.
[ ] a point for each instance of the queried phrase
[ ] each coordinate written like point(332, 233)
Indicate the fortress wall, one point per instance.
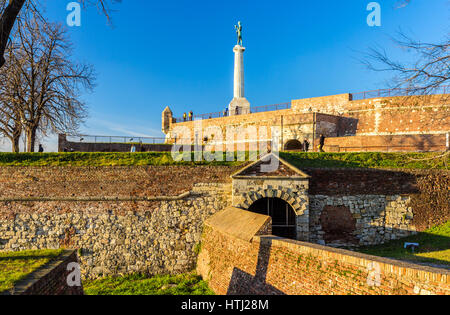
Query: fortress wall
point(119, 231)
point(103, 212)
point(116, 237)
point(270, 265)
point(368, 207)
point(294, 125)
point(325, 104)
point(399, 143)
point(337, 116)
point(104, 181)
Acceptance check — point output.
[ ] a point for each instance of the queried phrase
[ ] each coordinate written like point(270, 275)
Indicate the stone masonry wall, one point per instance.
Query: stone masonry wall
point(270, 265)
point(378, 218)
point(117, 237)
point(123, 219)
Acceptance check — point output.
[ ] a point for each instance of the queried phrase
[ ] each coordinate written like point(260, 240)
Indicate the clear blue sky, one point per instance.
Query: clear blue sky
point(179, 53)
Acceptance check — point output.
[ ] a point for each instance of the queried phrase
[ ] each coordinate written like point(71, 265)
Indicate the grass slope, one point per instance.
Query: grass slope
point(186, 284)
point(434, 247)
point(368, 160)
point(345, 160)
point(15, 266)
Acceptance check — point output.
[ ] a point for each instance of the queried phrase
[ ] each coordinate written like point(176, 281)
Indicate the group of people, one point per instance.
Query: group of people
point(191, 116)
point(305, 144)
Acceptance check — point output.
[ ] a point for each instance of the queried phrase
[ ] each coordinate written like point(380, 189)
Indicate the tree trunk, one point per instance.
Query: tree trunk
point(7, 21)
point(15, 144)
point(31, 139)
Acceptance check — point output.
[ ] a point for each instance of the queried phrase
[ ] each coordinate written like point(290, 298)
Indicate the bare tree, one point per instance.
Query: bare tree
point(50, 83)
point(427, 74)
point(10, 9)
point(10, 106)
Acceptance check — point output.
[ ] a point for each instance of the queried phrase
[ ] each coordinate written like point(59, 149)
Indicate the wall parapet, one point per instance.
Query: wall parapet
point(272, 265)
point(51, 279)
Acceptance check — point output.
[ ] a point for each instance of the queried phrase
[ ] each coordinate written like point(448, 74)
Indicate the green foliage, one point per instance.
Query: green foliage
point(353, 160)
point(98, 159)
point(15, 266)
point(367, 160)
point(434, 247)
point(138, 284)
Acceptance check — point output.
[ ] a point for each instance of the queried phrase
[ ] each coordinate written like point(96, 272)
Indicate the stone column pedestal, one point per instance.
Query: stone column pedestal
point(239, 105)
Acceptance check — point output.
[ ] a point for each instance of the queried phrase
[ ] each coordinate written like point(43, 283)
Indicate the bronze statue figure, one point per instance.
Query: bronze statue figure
point(239, 32)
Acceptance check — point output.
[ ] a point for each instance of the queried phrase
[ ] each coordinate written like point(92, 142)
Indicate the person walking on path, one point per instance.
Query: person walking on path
point(321, 143)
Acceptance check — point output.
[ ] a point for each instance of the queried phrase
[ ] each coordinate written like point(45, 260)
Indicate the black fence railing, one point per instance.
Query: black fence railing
point(400, 92)
point(225, 113)
point(115, 139)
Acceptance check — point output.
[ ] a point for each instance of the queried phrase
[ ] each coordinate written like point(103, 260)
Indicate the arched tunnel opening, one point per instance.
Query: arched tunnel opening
point(282, 214)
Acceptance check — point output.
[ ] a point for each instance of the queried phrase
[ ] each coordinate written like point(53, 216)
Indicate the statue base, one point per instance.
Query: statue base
point(239, 106)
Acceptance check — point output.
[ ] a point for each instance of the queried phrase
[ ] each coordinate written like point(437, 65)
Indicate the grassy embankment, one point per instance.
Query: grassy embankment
point(434, 247)
point(186, 284)
point(345, 160)
point(15, 266)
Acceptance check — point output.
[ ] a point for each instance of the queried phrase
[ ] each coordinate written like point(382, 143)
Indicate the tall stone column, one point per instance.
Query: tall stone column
point(239, 105)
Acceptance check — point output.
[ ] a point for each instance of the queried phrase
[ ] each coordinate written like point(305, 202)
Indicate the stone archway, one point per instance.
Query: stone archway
point(298, 202)
point(293, 145)
point(283, 216)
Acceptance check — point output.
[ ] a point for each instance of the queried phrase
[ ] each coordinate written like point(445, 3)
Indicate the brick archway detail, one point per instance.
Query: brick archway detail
point(298, 203)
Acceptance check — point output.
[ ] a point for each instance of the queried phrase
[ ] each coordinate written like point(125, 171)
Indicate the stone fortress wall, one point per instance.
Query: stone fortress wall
point(150, 219)
point(403, 123)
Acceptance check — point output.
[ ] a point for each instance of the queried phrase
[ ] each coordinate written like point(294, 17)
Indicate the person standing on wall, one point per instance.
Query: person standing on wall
point(191, 115)
point(321, 143)
point(184, 117)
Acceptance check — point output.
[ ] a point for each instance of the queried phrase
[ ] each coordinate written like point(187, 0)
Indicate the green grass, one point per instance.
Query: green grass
point(97, 159)
point(15, 266)
point(345, 160)
point(185, 284)
point(368, 160)
point(434, 247)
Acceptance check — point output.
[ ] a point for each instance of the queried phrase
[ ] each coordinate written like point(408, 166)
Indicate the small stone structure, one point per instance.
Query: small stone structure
point(287, 183)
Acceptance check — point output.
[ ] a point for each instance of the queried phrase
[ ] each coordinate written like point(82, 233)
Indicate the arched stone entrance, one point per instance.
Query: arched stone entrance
point(293, 145)
point(296, 200)
point(282, 214)
point(285, 186)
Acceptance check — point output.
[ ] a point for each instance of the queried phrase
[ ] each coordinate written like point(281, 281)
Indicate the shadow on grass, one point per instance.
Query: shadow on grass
point(434, 248)
point(29, 255)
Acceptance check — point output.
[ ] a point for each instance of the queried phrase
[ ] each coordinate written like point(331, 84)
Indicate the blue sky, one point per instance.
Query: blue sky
point(179, 53)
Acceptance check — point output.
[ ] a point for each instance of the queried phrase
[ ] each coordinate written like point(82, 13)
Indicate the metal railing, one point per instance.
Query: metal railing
point(445, 89)
point(114, 139)
point(253, 110)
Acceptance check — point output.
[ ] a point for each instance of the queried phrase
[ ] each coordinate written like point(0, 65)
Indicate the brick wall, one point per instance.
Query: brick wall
point(338, 115)
point(269, 265)
point(400, 143)
point(114, 181)
point(50, 279)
